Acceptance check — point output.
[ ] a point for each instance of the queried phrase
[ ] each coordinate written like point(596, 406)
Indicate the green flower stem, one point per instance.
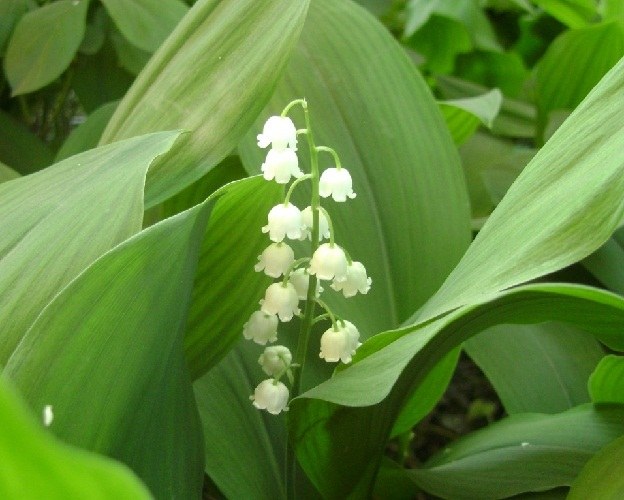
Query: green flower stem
point(329, 313)
point(292, 187)
point(331, 226)
point(308, 314)
point(332, 152)
point(292, 267)
point(320, 317)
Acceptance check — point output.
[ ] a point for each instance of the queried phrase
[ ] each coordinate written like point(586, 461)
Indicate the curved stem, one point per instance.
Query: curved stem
point(292, 186)
point(291, 104)
point(331, 225)
point(292, 267)
point(330, 314)
point(332, 152)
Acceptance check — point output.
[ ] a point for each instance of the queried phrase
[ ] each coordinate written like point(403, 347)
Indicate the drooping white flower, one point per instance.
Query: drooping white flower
point(284, 220)
point(306, 218)
point(48, 415)
point(261, 327)
point(356, 281)
point(329, 262)
point(272, 396)
point(275, 360)
point(337, 183)
point(279, 131)
point(275, 260)
point(339, 344)
point(282, 300)
point(281, 164)
point(301, 281)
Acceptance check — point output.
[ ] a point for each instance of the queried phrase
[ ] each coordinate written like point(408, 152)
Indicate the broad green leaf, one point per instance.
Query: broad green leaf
point(607, 263)
point(20, 148)
point(107, 354)
point(87, 134)
point(341, 446)
point(236, 433)
point(463, 116)
point(146, 23)
point(611, 10)
point(472, 16)
point(582, 56)
point(417, 13)
point(573, 13)
point(235, 51)
point(564, 205)
point(606, 384)
point(603, 476)
point(553, 357)
point(10, 13)
point(527, 452)
point(35, 465)
point(504, 70)
point(44, 43)
point(7, 173)
point(57, 221)
point(130, 57)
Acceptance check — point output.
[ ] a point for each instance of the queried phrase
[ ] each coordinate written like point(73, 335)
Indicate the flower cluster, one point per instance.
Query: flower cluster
point(328, 262)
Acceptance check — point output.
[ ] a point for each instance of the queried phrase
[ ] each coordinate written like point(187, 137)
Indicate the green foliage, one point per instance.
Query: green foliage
point(603, 476)
point(607, 381)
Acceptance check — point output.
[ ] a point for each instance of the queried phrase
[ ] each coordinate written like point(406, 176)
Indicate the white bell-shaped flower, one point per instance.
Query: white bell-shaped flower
point(275, 360)
point(356, 281)
point(301, 281)
point(306, 218)
point(329, 262)
point(280, 132)
point(339, 344)
point(275, 260)
point(272, 396)
point(284, 220)
point(261, 328)
point(282, 300)
point(337, 183)
point(281, 165)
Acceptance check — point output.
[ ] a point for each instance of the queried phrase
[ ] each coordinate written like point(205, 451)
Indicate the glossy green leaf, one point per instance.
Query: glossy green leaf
point(607, 263)
point(606, 384)
point(107, 354)
point(342, 446)
point(146, 23)
point(573, 13)
point(44, 43)
point(20, 148)
point(87, 135)
point(611, 10)
point(35, 465)
point(603, 476)
point(235, 51)
point(582, 56)
point(553, 357)
point(10, 13)
point(552, 215)
point(463, 116)
point(527, 452)
point(57, 221)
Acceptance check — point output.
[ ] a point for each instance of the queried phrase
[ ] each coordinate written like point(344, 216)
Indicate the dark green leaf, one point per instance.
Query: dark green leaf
point(573, 13)
point(10, 13)
point(606, 384)
point(20, 148)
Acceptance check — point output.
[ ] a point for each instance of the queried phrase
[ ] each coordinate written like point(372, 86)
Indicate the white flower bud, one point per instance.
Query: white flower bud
point(306, 218)
point(275, 260)
point(281, 300)
point(301, 281)
point(272, 396)
point(281, 165)
point(279, 131)
point(261, 328)
point(356, 281)
point(275, 360)
point(337, 183)
point(329, 262)
point(340, 344)
point(284, 220)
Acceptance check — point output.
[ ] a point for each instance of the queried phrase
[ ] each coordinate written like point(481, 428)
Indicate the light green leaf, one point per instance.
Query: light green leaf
point(582, 56)
point(146, 23)
point(472, 16)
point(235, 51)
point(35, 465)
point(553, 357)
point(20, 148)
point(603, 476)
point(87, 134)
point(392, 364)
point(463, 116)
point(607, 263)
point(44, 43)
point(130, 57)
point(417, 13)
point(10, 13)
point(107, 354)
point(552, 215)
point(57, 221)
point(573, 13)
point(606, 384)
point(7, 173)
point(611, 10)
point(528, 452)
